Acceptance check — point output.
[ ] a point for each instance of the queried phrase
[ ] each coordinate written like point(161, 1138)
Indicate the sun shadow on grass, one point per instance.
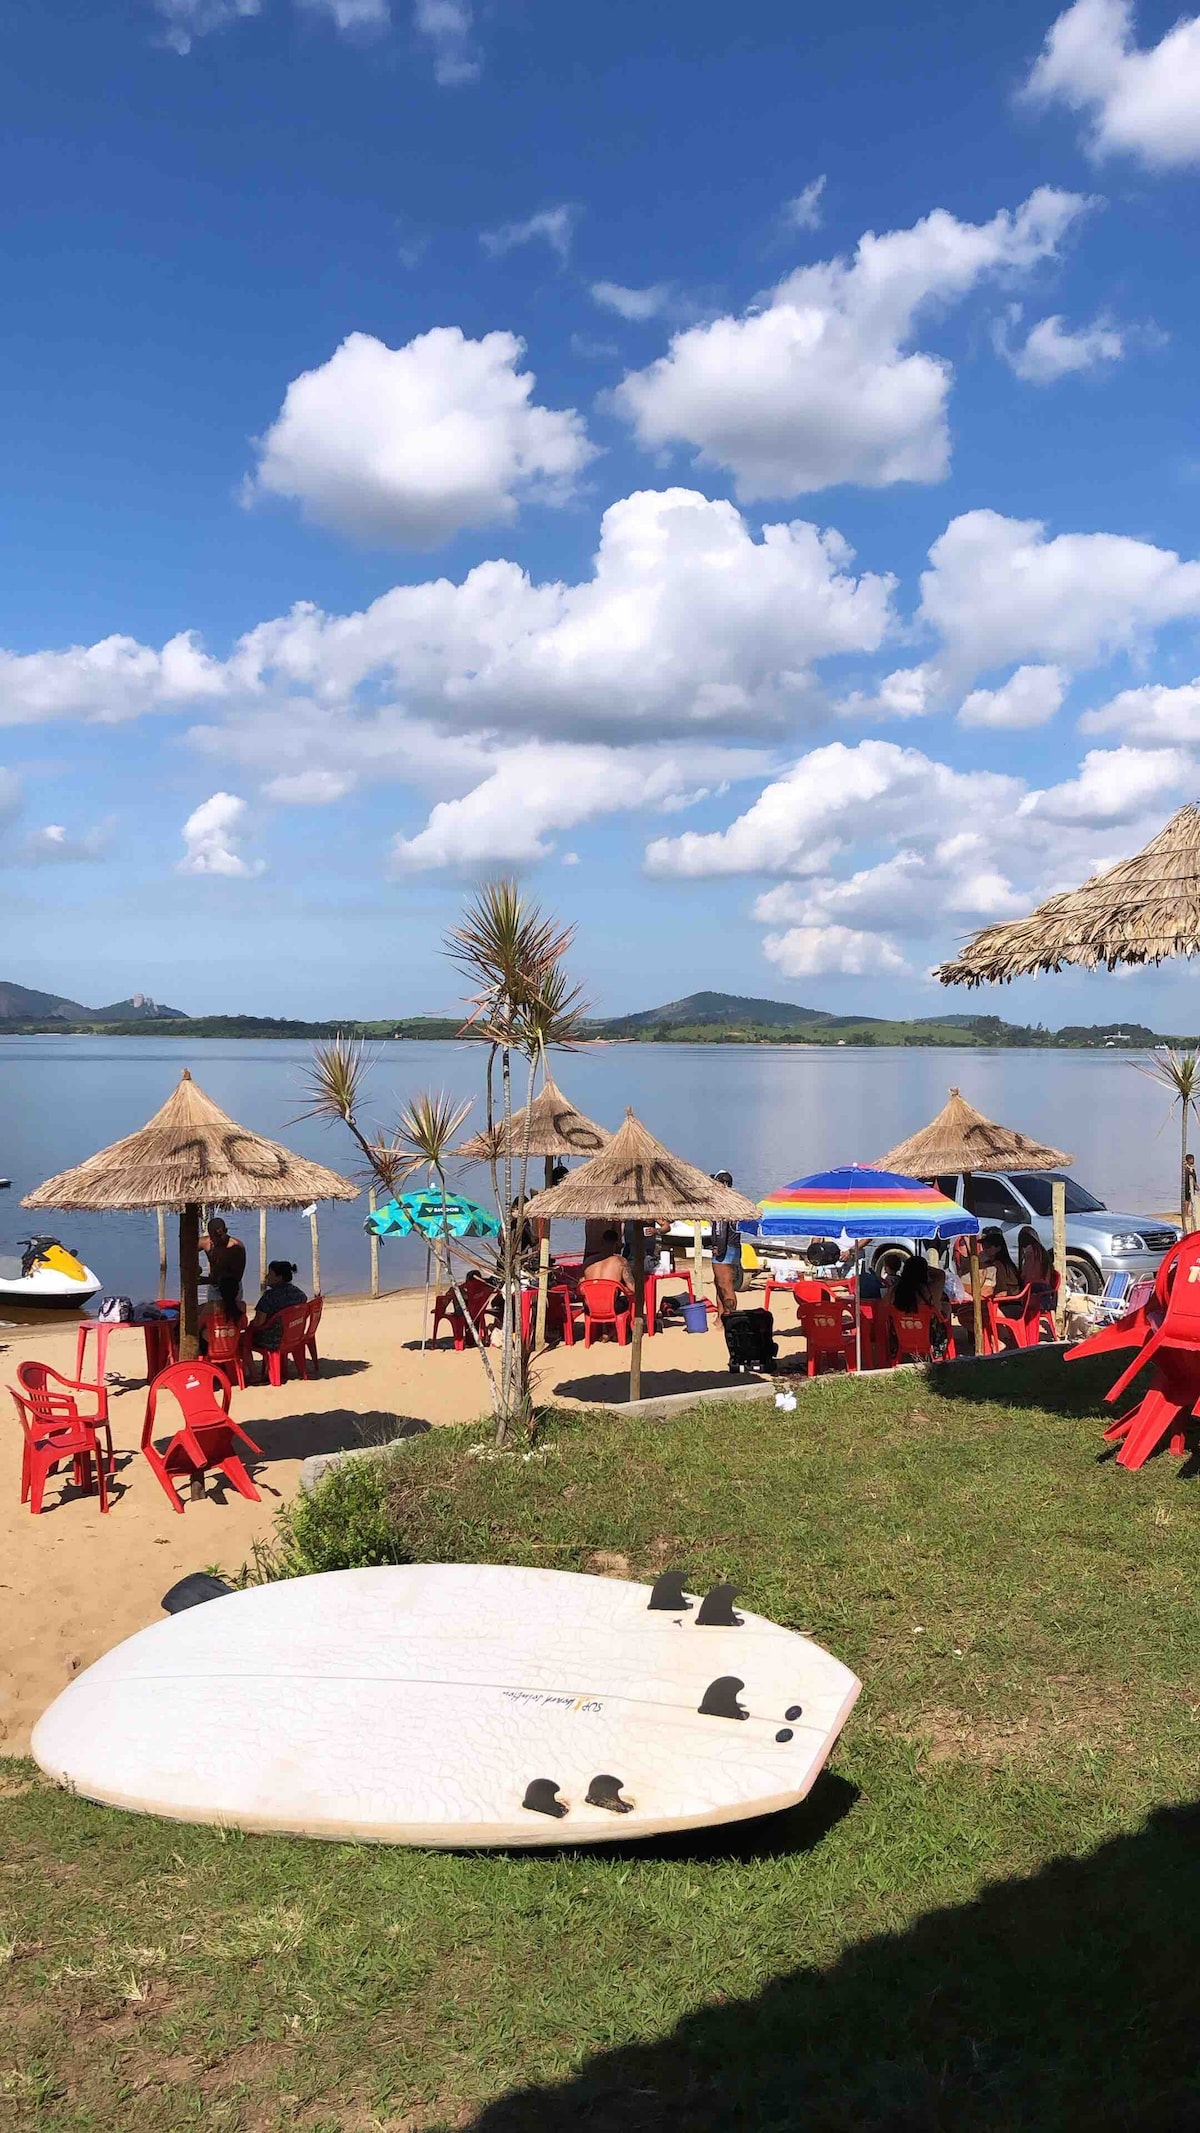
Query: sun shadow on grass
point(1033, 1377)
point(611, 1388)
point(1060, 2001)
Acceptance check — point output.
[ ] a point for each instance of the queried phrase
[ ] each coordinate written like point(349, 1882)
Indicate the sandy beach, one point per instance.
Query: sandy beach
point(73, 1583)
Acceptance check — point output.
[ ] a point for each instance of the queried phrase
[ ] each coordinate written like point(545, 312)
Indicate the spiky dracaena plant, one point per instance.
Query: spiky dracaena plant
point(1179, 1074)
point(521, 1002)
point(424, 1138)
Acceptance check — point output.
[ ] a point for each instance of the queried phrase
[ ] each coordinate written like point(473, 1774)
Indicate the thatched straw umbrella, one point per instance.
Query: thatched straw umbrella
point(191, 1154)
point(635, 1179)
point(1141, 911)
point(550, 1127)
point(961, 1139)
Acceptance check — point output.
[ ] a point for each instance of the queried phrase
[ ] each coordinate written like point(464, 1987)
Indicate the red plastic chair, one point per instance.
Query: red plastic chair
point(54, 1400)
point(909, 1334)
point(315, 1309)
point(600, 1309)
point(293, 1331)
point(209, 1437)
point(1173, 1348)
point(48, 1445)
point(826, 1339)
point(805, 1292)
point(478, 1296)
point(560, 1317)
point(225, 1343)
point(1021, 1313)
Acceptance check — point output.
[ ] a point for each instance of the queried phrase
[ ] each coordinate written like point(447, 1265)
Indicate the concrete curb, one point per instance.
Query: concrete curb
point(315, 1468)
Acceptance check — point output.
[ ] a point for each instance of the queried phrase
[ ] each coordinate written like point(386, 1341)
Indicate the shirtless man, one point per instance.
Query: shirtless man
point(610, 1265)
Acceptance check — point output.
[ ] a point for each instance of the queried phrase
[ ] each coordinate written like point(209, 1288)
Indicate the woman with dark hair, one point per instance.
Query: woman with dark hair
point(913, 1289)
point(999, 1275)
point(279, 1295)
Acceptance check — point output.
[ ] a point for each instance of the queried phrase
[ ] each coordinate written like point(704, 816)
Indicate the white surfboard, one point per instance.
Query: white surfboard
point(451, 1704)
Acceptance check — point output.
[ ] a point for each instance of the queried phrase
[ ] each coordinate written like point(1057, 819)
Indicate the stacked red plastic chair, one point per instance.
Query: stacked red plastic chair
point(1166, 1333)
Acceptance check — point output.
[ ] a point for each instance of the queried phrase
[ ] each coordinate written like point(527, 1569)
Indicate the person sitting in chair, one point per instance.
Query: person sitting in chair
point(279, 1295)
point(610, 1263)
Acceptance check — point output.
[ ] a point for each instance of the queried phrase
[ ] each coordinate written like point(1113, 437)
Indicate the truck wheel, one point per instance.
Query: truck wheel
point(1082, 1275)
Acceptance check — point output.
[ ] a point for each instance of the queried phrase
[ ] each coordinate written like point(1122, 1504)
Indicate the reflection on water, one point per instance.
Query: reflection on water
point(767, 1113)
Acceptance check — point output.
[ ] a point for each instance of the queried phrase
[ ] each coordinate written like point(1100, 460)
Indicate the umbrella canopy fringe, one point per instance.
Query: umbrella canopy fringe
point(636, 1179)
point(961, 1139)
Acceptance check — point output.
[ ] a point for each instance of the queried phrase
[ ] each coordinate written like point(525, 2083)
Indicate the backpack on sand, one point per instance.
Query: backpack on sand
point(750, 1339)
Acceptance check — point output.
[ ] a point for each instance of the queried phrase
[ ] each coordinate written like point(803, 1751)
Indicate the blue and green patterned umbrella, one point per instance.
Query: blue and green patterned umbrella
point(432, 1215)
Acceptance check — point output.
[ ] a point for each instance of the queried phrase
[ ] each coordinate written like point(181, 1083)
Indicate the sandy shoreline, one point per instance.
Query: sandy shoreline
point(72, 1583)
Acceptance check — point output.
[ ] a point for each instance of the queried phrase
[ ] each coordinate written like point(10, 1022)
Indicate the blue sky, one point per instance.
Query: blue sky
point(740, 474)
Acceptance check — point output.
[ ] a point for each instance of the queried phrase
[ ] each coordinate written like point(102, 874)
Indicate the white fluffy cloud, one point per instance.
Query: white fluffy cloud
point(999, 591)
point(1150, 715)
point(213, 836)
point(412, 444)
point(447, 27)
point(108, 682)
point(1140, 102)
point(350, 14)
point(554, 226)
point(1030, 697)
point(820, 385)
point(1050, 350)
point(542, 788)
point(967, 845)
point(310, 788)
point(633, 304)
point(53, 845)
point(687, 620)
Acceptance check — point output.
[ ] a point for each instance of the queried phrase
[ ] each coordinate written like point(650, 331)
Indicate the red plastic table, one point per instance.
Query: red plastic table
point(564, 1299)
point(162, 1339)
point(652, 1282)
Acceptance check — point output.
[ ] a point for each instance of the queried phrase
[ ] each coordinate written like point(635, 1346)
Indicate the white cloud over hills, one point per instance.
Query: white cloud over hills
point(820, 382)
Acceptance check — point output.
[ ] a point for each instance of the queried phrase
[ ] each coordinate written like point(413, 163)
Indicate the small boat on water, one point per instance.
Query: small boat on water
point(46, 1273)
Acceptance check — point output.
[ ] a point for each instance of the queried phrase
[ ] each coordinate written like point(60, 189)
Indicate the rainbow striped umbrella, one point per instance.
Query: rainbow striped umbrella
point(858, 1202)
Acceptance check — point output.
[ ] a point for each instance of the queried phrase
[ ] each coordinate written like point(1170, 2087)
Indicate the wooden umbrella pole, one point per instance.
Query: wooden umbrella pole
point(161, 1220)
point(976, 1293)
point(262, 1249)
point(698, 1260)
point(189, 1283)
point(375, 1256)
point(543, 1289)
point(1058, 1216)
point(639, 1311)
point(316, 1253)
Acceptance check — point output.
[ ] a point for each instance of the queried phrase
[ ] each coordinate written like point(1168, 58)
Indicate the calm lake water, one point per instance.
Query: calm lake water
point(767, 1113)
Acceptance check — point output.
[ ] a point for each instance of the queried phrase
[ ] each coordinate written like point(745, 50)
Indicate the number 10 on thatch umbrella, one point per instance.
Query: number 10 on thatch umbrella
point(636, 1180)
point(190, 1155)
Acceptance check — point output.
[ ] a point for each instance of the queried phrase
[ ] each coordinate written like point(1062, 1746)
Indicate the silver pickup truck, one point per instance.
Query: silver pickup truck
point(1099, 1241)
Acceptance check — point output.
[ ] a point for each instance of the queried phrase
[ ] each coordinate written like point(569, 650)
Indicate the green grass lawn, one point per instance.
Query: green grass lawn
point(986, 1916)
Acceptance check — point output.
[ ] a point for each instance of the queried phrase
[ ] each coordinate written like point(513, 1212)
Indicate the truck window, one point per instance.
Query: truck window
point(991, 1200)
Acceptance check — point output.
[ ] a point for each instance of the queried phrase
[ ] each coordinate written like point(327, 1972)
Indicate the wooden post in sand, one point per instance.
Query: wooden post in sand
point(1058, 1213)
point(161, 1215)
point(375, 1251)
point(698, 1259)
point(976, 1294)
point(639, 1311)
point(316, 1252)
point(262, 1249)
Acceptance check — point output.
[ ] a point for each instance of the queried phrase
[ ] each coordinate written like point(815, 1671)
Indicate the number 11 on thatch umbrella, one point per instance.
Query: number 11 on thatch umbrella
point(636, 1180)
point(191, 1155)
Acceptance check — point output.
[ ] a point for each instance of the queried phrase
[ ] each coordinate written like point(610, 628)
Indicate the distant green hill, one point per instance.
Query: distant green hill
point(20, 1003)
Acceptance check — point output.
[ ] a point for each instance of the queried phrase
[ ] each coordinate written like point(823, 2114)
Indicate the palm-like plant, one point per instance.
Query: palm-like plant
point(512, 954)
point(1179, 1074)
point(424, 1138)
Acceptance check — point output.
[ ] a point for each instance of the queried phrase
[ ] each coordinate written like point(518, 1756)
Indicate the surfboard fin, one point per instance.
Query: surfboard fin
point(716, 1609)
point(605, 1791)
point(720, 1698)
point(541, 1798)
point(193, 1591)
point(667, 1596)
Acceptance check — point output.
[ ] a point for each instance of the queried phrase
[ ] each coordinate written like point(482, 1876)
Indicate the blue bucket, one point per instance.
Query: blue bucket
point(696, 1317)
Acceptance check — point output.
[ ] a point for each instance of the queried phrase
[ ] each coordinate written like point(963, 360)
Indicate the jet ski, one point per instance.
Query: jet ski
point(46, 1274)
